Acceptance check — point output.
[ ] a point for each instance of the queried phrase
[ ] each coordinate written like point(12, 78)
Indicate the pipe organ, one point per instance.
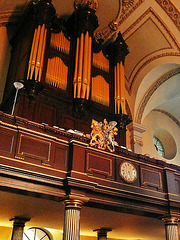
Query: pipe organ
point(57, 69)
point(82, 79)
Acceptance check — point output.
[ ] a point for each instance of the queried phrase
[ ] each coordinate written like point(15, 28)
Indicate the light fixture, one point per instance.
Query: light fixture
point(18, 85)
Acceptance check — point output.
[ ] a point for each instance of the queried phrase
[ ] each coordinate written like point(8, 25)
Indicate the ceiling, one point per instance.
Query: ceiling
point(151, 29)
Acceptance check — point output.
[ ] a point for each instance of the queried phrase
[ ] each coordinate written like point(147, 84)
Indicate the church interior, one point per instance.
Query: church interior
point(89, 119)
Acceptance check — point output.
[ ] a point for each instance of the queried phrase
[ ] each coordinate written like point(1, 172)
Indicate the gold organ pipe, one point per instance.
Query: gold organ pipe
point(89, 68)
point(59, 72)
point(39, 51)
point(115, 88)
point(76, 68)
point(118, 89)
point(32, 50)
point(42, 55)
point(122, 88)
point(61, 76)
point(85, 65)
point(35, 52)
point(80, 65)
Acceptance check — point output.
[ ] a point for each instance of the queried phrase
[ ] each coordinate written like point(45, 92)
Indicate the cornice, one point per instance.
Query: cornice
point(151, 90)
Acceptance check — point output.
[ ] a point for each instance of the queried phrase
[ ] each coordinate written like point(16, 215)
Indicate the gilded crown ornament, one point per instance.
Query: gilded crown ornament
point(102, 135)
point(93, 4)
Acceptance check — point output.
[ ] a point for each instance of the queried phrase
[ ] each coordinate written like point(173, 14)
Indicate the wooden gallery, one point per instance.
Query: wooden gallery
point(72, 158)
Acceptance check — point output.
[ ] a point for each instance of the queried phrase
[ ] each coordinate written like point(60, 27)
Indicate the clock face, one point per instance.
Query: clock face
point(128, 172)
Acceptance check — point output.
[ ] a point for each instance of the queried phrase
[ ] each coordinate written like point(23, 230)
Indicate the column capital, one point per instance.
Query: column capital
point(19, 221)
point(137, 127)
point(102, 231)
point(74, 201)
point(170, 220)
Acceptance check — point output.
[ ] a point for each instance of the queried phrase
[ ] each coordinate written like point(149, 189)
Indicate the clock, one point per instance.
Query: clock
point(128, 172)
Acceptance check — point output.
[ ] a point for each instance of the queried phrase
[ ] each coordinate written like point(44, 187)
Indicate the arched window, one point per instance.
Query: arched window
point(34, 233)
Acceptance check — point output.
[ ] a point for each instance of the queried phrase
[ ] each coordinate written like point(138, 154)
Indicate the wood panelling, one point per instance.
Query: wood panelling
point(60, 160)
point(100, 165)
point(33, 147)
point(32, 153)
point(151, 178)
point(7, 141)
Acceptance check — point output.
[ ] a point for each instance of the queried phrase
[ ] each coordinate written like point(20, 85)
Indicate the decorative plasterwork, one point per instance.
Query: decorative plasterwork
point(171, 11)
point(151, 90)
point(169, 115)
point(126, 8)
point(173, 51)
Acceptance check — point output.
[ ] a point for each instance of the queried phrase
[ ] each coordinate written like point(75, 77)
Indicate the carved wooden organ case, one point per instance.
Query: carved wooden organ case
point(70, 77)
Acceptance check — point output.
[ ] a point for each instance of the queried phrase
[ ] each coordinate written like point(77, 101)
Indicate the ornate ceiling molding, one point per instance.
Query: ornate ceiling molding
point(168, 35)
point(177, 122)
point(151, 90)
point(171, 11)
point(126, 8)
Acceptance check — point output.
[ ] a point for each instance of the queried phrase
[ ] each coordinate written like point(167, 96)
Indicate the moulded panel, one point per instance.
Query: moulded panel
point(34, 148)
point(151, 178)
point(7, 140)
point(177, 185)
point(100, 165)
point(60, 157)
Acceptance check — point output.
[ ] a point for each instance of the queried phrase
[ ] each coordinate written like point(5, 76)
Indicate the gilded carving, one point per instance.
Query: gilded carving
point(102, 135)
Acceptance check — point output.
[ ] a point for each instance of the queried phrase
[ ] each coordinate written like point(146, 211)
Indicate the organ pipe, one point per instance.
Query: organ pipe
point(119, 88)
point(36, 59)
point(82, 72)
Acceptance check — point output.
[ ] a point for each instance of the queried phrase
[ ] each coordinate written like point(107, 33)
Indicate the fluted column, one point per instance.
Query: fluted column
point(18, 227)
point(72, 219)
point(102, 233)
point(171, 227)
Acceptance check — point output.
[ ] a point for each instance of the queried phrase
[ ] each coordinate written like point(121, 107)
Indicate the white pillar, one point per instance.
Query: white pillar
point(72, 219)
point(136, 131)
point(171, 228)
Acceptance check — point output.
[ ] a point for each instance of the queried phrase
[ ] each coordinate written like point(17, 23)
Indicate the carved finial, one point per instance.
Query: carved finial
point(93, 4)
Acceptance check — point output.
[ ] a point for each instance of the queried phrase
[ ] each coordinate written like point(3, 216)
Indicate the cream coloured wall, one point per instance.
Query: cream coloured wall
point(157, 120)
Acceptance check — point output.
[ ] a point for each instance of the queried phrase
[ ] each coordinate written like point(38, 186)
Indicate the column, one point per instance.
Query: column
point(102, 233)
point(171, 227)
point(5, 53)
point(136, 130)
point(72, 219)
point(18, 227)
